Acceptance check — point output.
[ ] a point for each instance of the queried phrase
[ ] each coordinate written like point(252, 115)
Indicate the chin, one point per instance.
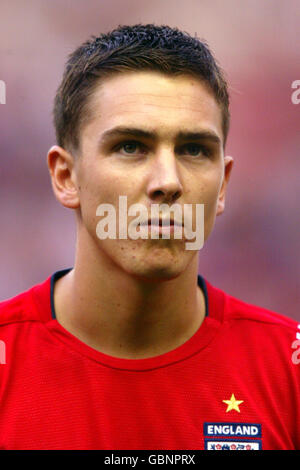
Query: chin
point(154, 264)
point(155, 278)
point(156, 272)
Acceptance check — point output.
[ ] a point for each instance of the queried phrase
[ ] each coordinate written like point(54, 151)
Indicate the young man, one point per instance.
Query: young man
point(131, 349)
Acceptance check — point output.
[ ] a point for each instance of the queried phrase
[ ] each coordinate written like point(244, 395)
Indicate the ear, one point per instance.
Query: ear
point(228, 164)
point(63, 177)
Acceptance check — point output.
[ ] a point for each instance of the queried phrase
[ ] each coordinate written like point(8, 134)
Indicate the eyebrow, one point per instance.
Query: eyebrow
point(122, 131)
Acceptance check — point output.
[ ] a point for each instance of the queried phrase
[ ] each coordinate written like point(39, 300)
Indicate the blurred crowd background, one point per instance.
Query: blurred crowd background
point(254, 250)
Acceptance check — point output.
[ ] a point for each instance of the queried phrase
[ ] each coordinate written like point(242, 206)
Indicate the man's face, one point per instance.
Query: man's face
point(154, 139)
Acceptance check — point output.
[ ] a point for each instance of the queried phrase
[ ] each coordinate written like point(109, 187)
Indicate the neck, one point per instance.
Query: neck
point(126, 317)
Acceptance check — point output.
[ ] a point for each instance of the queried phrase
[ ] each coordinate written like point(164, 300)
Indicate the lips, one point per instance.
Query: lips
point(159, 222)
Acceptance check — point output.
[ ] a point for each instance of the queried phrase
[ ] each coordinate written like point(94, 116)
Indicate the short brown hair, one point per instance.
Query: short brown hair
point(131, 48)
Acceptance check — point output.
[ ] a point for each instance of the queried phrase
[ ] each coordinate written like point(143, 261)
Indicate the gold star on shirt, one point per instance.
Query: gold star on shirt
point(233, 404)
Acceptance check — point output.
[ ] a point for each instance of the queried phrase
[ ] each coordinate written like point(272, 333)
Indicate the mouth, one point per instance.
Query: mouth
point(161, 223)
point(160, 226)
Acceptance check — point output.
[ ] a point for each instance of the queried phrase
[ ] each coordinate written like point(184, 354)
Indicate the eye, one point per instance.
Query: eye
point(195, 150)
point(130, 147)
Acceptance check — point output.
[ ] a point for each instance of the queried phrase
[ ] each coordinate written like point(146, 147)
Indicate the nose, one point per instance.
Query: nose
point(164, 184)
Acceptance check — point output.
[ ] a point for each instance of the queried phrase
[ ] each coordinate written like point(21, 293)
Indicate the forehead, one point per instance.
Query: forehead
point(167, 104)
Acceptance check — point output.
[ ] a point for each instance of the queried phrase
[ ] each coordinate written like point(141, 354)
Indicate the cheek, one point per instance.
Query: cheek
point(210, 198)
point(94, 189)
point(98, 186)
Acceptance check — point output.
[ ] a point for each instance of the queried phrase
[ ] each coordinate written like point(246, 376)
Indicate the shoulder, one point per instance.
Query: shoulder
point(249, 317)
point(258, 339)
point(30, 305)
point(238, 310)
point(264, 331)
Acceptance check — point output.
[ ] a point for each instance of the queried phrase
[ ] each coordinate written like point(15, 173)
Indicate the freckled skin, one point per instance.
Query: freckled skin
point(134, 292)
point(170, 105)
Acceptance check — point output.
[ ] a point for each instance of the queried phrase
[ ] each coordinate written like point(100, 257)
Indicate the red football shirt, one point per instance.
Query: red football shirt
point(233, 385)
